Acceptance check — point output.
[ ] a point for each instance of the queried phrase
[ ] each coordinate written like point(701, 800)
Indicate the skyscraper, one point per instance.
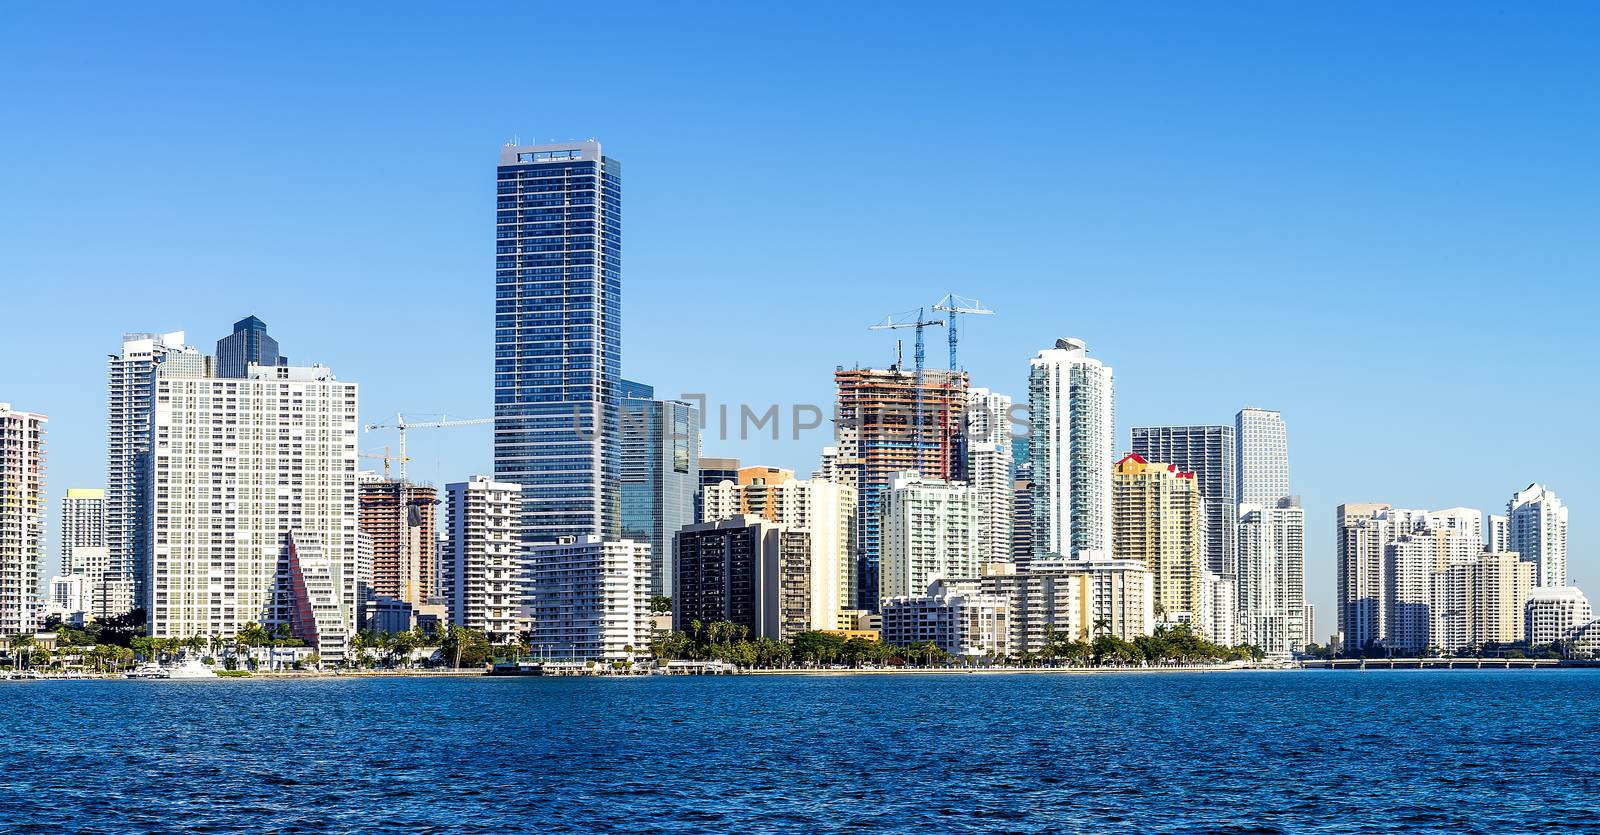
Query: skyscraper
point(130, 402)
point(1071, 418)
point(1208, 452)
point(989, 471)
point(660, 474)
point(84, 554)
point(1263, 457)
point(247, 345)
point(22, 483)
point(253, 507)
point(1538, 531)
point(877, 435)
point(1158, 520)
point(1272, 577)
point(558, 336)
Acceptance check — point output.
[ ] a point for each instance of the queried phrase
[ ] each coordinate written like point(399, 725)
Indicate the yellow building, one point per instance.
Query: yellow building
point(1158, 517)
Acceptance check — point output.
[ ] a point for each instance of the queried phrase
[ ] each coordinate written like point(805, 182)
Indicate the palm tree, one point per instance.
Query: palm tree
point(20, 643)
point(1101, 626)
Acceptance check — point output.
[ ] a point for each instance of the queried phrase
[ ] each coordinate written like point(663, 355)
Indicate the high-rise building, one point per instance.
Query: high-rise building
point(930, 531)
point(878, 433)
point(254, 500)
point(660, 474)
point(1386, 561)
point(1071, 419)
point(1262, 471)
point(483, 580)
point(1271, 580)
point(130, 403)
point(22, 507)
point(1538, 531)
point(248, 345)
point(1208, 452)
point(713, 471)
point(1158, 520)
point(989, 471)
point(1022, 516)
point(823, 510)
point(1497, 534)
point(589, 599)
point(558, 336)
point(1363, 531)
point(399, 518)
point(744, 570)
point(84, 555)
point(1478, 600)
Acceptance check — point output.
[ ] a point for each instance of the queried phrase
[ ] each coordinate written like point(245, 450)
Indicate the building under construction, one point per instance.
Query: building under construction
point(883, 425)
point(398, 516)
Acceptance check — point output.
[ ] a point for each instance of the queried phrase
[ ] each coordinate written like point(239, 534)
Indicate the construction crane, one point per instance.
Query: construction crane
point(386, 459)
point(909, 320)
point(954, 305)
point(401, 425)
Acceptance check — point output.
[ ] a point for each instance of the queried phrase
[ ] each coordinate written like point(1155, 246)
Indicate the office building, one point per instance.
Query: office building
point(130, 403)
point(483, 580)
point(22, 511)
point(1478, 600)
point(1209, 453)
point(248, 345)
point(823, 510)
point(558, 336)
point(1555, 613)
point(1537, 529)
point(399, 519)
point(878, 433)
point(1156, 510)
point(660, 474)
point(1071, 418)
point(1271, 581)
point(930, 531)
point(1262, 443)
point(958, 616)
point(745, 570)
point(254, 504)
point(989, 471)
point(589, 600)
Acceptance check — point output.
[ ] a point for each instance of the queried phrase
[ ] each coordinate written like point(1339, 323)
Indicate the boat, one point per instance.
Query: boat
point(516, 668)
point(148, 671)
point(190, 668)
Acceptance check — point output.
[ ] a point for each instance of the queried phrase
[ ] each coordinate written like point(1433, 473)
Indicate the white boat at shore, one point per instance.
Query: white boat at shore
point(189, 668)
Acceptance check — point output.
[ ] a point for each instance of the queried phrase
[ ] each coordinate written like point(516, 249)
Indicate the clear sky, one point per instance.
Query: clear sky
point(1378, 218)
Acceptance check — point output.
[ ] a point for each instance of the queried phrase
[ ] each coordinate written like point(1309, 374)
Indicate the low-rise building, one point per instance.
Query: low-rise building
point(1556, 613)
point(956, 615)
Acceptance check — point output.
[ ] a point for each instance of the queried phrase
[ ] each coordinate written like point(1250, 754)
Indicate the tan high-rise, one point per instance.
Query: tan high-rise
point(1157, 517)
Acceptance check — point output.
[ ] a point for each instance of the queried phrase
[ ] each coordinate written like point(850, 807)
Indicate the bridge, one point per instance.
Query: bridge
point(1431, 664)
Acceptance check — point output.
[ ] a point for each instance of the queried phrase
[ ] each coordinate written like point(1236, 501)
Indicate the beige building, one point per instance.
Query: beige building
point(823, 510)
point(959, 616)
point(1077, 599)
point(22, 483)
point(1158, 518)
point(1479, 600)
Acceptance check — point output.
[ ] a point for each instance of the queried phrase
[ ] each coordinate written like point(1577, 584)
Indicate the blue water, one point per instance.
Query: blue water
point(1334, 751)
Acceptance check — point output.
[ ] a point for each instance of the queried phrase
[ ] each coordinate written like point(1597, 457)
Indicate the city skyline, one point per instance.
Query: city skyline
point(1273, 351)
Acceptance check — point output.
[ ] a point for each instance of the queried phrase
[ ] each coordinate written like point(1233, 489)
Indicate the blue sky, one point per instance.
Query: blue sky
point(1379, 219)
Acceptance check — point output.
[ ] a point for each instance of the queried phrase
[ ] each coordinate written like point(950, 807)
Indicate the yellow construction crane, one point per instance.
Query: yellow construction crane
point(386, 459)
point(401, 425)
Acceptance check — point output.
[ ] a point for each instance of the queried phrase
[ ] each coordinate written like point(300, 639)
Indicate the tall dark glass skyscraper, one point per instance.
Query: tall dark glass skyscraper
point(247, 345)
point(1208, 452)
point(558, 336)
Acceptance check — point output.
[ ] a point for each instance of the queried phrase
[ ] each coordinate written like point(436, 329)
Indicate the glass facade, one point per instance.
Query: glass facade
point(249, 343)
point(558, 336)
point(660, 475)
